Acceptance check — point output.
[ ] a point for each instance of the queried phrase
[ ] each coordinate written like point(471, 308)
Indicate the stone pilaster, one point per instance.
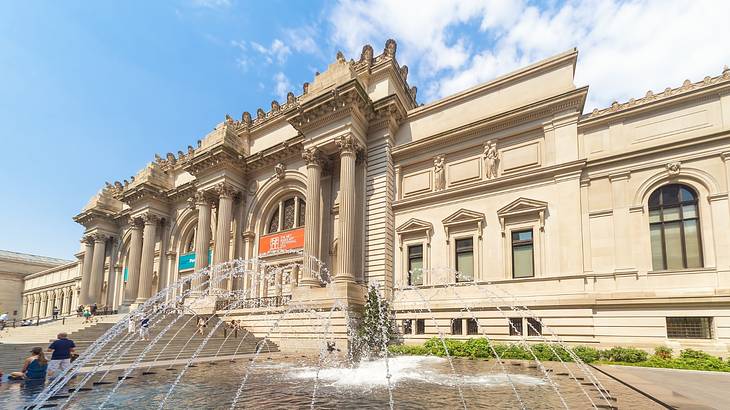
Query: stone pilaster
point(133, 263)
point(86, 268)
point(312, 223)
point(221, 252)
point(97, 268)
point(202, 240)
point(345, 258)
point(147, 264)
point(248, 282)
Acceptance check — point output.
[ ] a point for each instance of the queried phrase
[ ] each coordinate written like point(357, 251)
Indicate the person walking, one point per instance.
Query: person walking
point(55, 312)
point(63, 349)
point(80, 310)
point(144, 329)
point(34, 366)
point(132, 325)
point(93, 309)
point(87, 315)
point(201, 326)
point(3, 320)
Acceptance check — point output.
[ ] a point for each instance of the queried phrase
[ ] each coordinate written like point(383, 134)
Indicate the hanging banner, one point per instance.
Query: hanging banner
point(280, 241)
point(187, 261)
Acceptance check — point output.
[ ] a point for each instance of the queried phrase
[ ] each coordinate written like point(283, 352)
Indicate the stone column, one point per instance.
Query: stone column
point(247, 280)
point(97, 268)
point(202, 241)
point(37, 305)
point(86, 268)
point(346, 238)
point(113, 289)
point(69, 299)
point(314, 161)
point(147, 264)
point(226, 194)
point(135, 257)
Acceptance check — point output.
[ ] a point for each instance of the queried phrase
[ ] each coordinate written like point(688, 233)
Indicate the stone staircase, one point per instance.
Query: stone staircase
point(11, 355)
point(49, 329)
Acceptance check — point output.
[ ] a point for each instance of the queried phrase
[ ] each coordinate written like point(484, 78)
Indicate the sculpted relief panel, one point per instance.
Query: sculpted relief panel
point(521, 156)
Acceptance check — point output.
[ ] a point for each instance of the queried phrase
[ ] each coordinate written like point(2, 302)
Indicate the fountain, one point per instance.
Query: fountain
point(351, 365)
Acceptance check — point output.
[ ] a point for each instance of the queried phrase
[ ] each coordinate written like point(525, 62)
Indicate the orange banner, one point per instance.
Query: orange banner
point(292, 239)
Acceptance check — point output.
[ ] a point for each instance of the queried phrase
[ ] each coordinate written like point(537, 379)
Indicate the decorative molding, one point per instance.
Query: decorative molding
point(491, 159)
point(313, 157)
point(413, 226)
point(522, 207)
point(439, 173)
point(225, 190)
point(673, 168)
point(463, 217)
point(280, 171)
point(619, 176)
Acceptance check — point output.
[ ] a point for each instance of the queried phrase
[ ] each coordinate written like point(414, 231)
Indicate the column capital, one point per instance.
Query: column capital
point(225, 190)
point(87, 239)
point(348, 144)
point(248, 235)
point(313, 157)
point(135, 223)
point(150, 218)
point(100, 237)
point(201, 198)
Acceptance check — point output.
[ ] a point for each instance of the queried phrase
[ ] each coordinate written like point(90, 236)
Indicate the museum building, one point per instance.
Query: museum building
point(611, 226)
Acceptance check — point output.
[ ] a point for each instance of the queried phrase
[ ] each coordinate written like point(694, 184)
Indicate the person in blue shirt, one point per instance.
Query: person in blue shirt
point(34, 367)
point(144, 329)
point(63, 349)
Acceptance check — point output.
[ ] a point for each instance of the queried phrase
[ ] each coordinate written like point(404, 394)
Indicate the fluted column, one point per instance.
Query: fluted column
point(97, 268)
point(135, 257)
point(248, 282)
point(202, 240)
point(314, 161)
point(346, 237)
point(86, 268)
point(221, 252)
point(147, 265)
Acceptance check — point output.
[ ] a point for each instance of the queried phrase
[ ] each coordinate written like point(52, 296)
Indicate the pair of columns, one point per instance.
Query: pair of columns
point(141, 259)
point(226, 195)
point(92, 274)
point(349, 148)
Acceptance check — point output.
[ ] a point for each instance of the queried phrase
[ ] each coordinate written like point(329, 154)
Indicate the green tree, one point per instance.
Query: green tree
point(376, 327)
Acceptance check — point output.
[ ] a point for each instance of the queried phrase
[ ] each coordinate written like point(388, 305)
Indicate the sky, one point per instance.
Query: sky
point(90, 91)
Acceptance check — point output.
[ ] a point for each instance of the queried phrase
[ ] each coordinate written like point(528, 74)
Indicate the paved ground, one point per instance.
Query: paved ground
point(680, 389)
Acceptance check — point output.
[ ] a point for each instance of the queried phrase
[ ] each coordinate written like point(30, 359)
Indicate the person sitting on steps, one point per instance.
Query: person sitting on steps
point(34, 367)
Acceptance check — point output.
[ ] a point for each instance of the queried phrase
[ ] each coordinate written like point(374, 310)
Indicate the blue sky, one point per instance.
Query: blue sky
point(92, 90)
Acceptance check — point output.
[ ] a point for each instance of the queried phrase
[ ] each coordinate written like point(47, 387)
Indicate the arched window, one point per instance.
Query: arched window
point(190, 243)
point(287, 214)
point(674, 224)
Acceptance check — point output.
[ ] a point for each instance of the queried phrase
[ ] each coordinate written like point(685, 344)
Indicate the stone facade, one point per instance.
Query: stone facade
point(535, 203)
point(26, 280)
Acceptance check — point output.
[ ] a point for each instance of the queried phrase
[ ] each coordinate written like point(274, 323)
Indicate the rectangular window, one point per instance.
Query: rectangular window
point(689, 327)
point(465, 260)
point(407, 327)
point(472, 327)
point(456, 326)
point(415, 265)
point(420, 326)
point(534, 327)
point(522, 254)
point(515, 326)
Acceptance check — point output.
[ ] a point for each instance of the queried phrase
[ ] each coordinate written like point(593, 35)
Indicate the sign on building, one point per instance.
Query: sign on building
point(280, 241)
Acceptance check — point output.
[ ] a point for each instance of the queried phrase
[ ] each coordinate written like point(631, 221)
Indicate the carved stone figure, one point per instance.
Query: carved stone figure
point(305, 88)
point(260, 114)
point(246, 117)
point(491, 159)
point(390, 48)
point(673, 168)
point(367, 54)
point(280, 170)
point(340, 57)
point(290, 99)
point(439, 174)
point(275, 106)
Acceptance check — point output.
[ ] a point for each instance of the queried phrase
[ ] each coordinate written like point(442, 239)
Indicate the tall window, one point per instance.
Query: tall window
point(420, 326)
point(674, 226)
point(523, 260)
point(415, 265)
point(472, 326)
point(465, 260)
point(288, 214)
point(515, 326)
point(456, 326)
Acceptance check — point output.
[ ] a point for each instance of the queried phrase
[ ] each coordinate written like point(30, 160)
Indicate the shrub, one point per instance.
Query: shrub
point(625, 354)
point(663, 352)
point(694, 354)
point(587, 354)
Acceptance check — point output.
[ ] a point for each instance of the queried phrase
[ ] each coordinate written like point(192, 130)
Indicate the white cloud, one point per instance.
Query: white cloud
point(625, 47)
point(277, 51)
point(282, 86)
point(212, 4)
point(303, 39)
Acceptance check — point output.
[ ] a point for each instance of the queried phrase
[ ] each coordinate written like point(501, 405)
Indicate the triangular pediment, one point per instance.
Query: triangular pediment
point(522, 206)
point(463, 216)
point(414, 225)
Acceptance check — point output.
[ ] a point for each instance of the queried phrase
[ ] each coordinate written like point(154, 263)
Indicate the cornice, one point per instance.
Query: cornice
point(688, 90)
point(291, 147)
point(142, 192)
point(573, 99)
point(92, 216)
point(216, 157)
point(481, 187)
point(182, 192)
point(350, 98)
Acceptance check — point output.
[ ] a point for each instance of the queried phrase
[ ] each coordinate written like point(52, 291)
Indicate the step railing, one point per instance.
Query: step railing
point(267, 302)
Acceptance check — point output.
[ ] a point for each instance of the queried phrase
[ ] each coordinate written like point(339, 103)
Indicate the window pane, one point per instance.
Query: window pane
point(670, 194)
point(534, 327)
point(654, 198)
point(420, 326)
point(692, 244)
point(671, 214)
point(687, 195)
point(522, 236)
point(302, 211)
point(689, 211)
point(673, 242)
point(657, 253)
point(465, 266)
point(415, 251)
point(472, 327)
point(689, 327)
point(655, 216)
point(289, 213)
point(415, 274)
point(407, 327)
point(522, 261)
point(464, 244)
point(515, 326)
point(274, 221)
point(456, 326)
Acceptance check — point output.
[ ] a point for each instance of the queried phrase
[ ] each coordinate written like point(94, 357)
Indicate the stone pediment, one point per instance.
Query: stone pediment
point(522, 207)
point(463, 216)
point(414, 225)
